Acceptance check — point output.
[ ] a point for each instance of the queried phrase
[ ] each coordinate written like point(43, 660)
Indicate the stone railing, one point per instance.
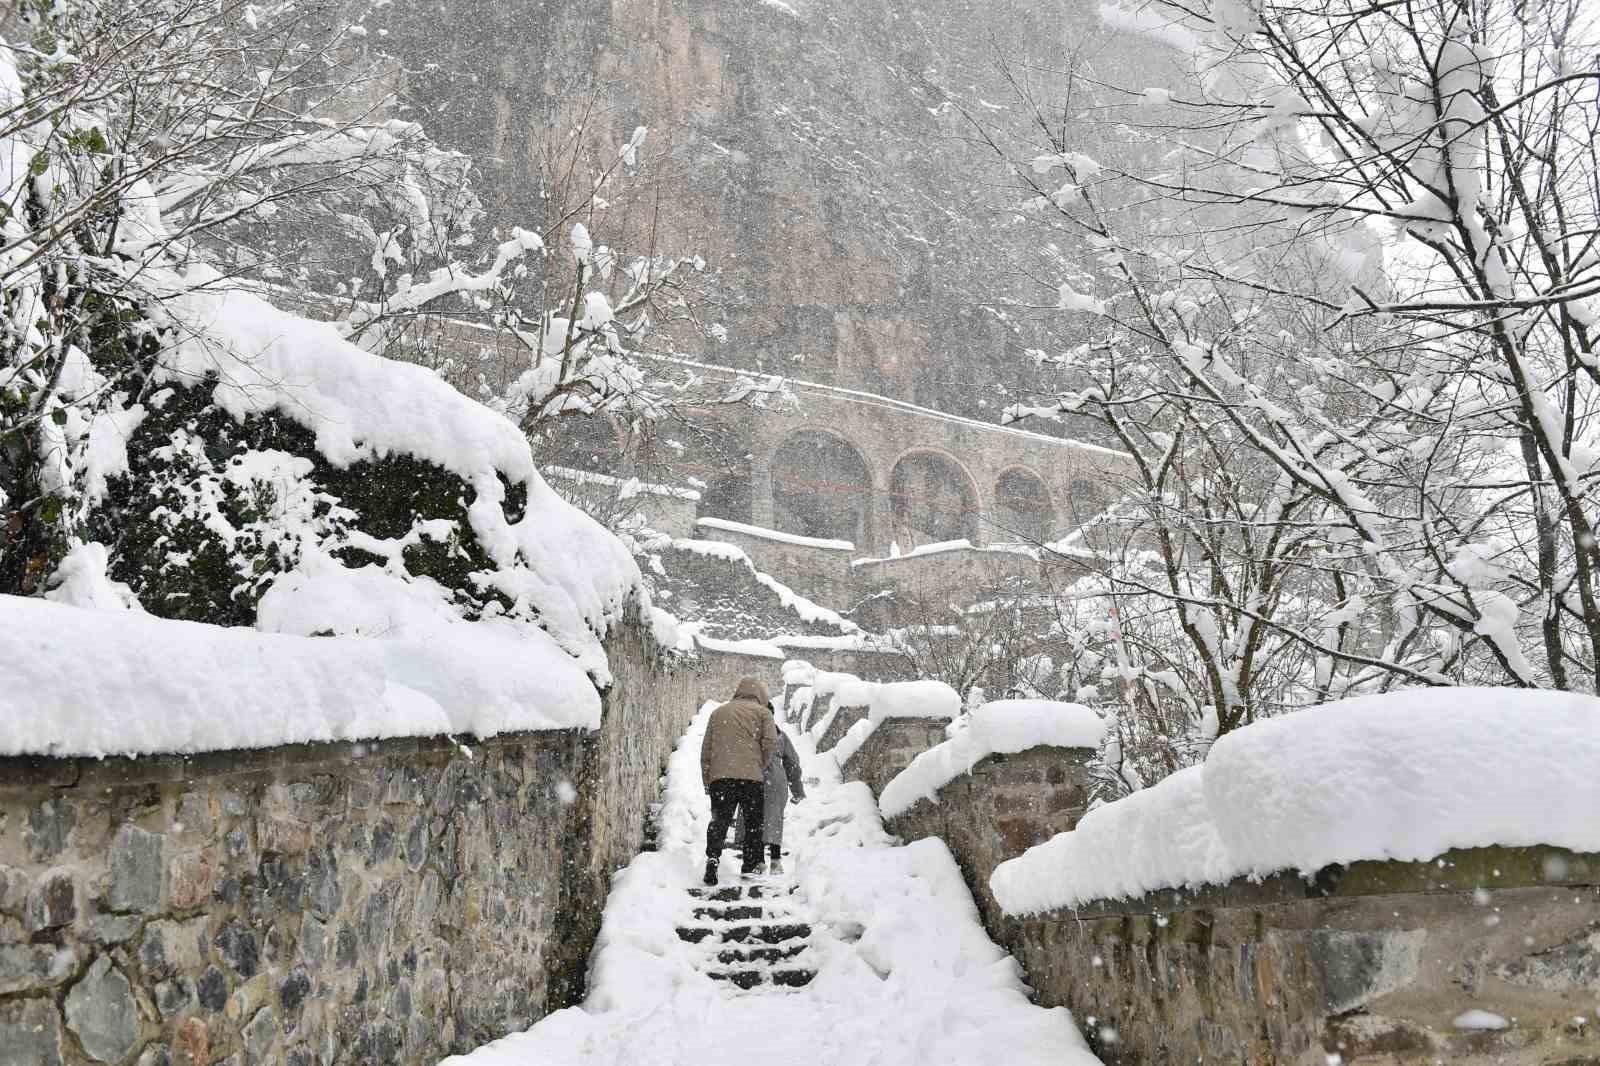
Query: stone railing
point(391, 901)
point(1376, 962)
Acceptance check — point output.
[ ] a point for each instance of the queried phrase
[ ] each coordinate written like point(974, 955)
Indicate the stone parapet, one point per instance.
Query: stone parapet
point(843, 720)
point(1007, 804)
point(1375, 962)
point(893, 743)
point(385, 901)
point(1378, 962)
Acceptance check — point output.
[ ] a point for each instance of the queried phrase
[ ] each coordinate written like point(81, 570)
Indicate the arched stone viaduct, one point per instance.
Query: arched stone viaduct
point(839, 464)
point(846, 465)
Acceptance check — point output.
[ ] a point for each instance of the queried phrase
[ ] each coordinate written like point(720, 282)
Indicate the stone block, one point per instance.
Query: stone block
point(29, 967)
point(48, 827)
point(102, 1013)
point(110, 928)
point(313, 941)
point(237, 945)
point(212, 990)
point(173, 946)
point(52, 902)
point(192, 877)
point(193, 818)
point(30, 1033)
point(136, 870)
point(174, 996)
point(282, 832)
point(260, 1034)
point(156, 1055)
point(13, 890)
point(322, 882)
point(192, 1044)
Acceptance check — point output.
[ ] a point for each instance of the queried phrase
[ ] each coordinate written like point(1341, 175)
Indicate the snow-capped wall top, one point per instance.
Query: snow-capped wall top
point(75, 681)
point(1405, 776)
point(1002, 727)
point(553, 559)
point(763, 533)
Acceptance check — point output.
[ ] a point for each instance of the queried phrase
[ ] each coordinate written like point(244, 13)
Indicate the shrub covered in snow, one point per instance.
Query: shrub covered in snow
point(1406, 776)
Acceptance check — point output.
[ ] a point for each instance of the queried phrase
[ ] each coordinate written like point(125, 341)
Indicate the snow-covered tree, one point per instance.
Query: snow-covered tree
point(1343, 321)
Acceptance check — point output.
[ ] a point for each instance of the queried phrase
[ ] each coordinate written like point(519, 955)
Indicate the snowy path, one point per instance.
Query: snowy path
point(904, 973)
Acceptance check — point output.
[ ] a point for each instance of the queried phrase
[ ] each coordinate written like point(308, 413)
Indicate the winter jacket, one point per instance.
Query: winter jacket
point(782, 776)
point(740, 737)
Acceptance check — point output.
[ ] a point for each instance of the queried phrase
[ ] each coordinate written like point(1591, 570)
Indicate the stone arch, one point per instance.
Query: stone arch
point(821, 487)
point(1022, 507)
point(932, 498)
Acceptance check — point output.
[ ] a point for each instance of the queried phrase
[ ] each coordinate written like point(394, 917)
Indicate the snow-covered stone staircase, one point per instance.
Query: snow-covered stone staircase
point(752, 935)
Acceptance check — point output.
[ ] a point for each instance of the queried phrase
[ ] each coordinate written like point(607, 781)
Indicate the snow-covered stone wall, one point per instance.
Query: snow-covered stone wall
point(1006, 804)
point(381, 901)
point(1478, 955)
point(1484, 955)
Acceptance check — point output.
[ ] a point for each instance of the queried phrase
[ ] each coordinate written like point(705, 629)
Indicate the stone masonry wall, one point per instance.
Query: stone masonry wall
point(890, 748)
point(382, 902)
point(843, 719)
point(1368, 964)
point(1007, 804)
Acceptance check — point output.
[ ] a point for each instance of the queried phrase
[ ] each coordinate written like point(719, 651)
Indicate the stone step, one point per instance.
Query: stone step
point(792, 978)
point(773, 933)
point(729, 956)
point(730, 914)
point(748, 979)
point(734, 893)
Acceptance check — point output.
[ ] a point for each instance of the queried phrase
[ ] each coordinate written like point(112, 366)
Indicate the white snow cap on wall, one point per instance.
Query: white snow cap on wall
point(1003, 727)
point(1406, 776)
point(75, 681)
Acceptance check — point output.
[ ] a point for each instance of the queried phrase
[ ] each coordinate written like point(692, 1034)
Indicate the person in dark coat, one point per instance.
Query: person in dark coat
point(740, 739)
point(779, 782)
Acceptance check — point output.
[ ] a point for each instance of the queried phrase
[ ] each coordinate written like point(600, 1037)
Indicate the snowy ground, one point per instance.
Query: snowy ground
point(905, 973)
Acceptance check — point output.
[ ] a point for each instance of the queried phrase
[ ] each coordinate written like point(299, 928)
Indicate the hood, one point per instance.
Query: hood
point(751, 689)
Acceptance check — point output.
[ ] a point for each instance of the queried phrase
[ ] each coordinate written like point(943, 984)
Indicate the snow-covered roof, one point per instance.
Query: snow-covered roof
point(1407, 776)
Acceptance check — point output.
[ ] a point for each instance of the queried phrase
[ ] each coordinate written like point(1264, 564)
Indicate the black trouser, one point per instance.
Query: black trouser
point(730, 795)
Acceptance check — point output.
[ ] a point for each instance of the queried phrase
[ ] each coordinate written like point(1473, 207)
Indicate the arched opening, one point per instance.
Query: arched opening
point(1086, 499)
point(727, 497)
point(932, 500)
point(821, 488)
point(1022, 510)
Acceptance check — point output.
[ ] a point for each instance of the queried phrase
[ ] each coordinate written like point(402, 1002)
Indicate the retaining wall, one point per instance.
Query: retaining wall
point(1371, 963)
point(390, 901)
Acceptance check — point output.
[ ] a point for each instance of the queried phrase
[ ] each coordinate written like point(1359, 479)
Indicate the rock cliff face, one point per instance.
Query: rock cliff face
point(818, 154)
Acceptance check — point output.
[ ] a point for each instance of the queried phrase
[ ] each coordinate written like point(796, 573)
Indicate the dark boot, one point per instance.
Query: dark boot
point(711, 872)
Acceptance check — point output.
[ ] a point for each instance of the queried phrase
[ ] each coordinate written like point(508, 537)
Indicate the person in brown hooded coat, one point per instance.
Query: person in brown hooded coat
point(740, 737)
